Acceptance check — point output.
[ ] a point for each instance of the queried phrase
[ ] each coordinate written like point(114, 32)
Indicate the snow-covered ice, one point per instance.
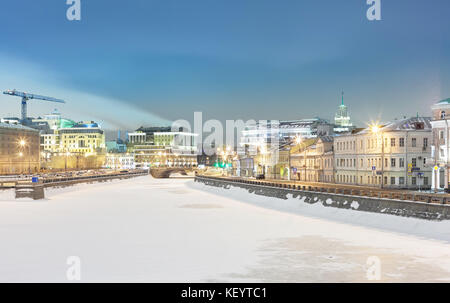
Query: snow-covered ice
point(175, 230)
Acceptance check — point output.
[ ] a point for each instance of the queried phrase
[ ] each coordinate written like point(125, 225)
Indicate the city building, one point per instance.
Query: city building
point(10, 120)
point(85, 138)
point(119, 161)
point(312, 160)
point(19, 149)
point(440, 145)
point(116, 146)
point(158, 146)
point(277, 133)
point(69, 145)
point(342, 119)
point(393, 155)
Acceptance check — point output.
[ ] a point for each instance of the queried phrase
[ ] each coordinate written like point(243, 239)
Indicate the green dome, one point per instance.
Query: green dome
point(445, 101)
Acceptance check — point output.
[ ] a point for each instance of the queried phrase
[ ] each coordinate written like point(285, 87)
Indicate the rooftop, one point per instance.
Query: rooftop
point(16, 126)
point(445, 101)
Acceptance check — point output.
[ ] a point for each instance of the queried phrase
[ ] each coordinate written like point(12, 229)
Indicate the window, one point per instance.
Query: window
point(392, 142)
point(441, 134)
point(413, 181)
point(401, 142)
point(443, 114)
point(401, 180)
point(385, 162)
point(414, 162)
point(414, 142)
point(425, 142)
point(424, 161)
point(401, 162)
point(393, 162)
point(392, 180)
point(385, 180)
point(425, 181)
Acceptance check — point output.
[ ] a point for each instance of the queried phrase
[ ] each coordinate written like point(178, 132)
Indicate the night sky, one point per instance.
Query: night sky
point(146, 62)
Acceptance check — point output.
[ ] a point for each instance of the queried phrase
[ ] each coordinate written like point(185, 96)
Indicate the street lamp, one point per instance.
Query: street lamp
point(376, 129)
point(22, 144)
point(298, 140)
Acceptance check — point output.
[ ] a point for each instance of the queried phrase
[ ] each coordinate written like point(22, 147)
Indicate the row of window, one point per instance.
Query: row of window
point(376, 162)
point(376, 180)
point(373, 143)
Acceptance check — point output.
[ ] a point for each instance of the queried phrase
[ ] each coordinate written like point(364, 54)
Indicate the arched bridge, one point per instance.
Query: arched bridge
point(165, 172)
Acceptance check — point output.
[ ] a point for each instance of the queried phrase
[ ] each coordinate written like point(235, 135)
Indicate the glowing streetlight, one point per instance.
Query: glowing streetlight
point(375, 128)
point(298, 139)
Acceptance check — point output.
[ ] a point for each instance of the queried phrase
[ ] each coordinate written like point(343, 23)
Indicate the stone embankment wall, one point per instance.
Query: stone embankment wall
point(422, 210)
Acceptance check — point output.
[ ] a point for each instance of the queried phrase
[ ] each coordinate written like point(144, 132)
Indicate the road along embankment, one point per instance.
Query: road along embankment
point(405, 208)
point(35, 191)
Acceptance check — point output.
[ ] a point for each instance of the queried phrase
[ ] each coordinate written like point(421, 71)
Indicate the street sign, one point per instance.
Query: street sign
point(34, 179)
point(374, 168)
point(294, 170)
point(415, 169)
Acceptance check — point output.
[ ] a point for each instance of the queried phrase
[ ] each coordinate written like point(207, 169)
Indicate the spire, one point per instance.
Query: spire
point(342, 98)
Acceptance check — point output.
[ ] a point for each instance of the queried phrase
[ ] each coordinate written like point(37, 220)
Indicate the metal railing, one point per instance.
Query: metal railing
point(347, 190)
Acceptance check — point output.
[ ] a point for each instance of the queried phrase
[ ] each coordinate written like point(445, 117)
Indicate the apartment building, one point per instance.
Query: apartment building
point(393, 155)
point(312, 160)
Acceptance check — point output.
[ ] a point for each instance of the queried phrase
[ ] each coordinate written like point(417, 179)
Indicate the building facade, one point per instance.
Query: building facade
point(19, 149)
point(440, 149)
point(312, 160)
point(163, 148)
point(119, 161)
point(388, 156)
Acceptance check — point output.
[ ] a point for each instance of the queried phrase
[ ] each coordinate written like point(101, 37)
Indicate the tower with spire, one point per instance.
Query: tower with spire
point(342, 119)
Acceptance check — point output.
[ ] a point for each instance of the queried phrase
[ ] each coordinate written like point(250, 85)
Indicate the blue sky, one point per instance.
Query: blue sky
point(128, 63)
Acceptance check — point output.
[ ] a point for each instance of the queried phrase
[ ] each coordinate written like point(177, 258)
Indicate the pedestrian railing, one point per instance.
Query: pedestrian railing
point(336, 189)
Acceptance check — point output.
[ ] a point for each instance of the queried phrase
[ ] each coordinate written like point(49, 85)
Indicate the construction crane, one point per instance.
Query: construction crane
point(26, 96)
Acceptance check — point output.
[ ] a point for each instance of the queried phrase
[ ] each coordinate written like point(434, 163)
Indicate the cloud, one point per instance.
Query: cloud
point(31, 77)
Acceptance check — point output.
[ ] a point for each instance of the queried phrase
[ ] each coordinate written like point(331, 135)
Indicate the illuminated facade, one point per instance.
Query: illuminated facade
point(159, 147)
point(440, 149)
point(19, 149)
point(390, 156)
point(342, 119)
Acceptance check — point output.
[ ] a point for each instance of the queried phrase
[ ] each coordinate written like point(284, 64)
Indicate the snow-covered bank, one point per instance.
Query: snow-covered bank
point(438, 230)
point(174, 230)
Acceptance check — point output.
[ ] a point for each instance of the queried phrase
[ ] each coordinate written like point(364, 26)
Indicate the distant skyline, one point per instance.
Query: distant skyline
point(149, 62)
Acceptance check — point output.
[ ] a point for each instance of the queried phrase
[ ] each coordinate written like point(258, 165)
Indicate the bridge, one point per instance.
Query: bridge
point(166, 172)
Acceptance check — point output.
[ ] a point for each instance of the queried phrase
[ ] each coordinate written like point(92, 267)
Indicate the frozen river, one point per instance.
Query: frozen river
point(175, 230)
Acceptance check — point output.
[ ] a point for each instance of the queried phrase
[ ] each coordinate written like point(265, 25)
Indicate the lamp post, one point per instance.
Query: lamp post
point(24, 143)
point(377, 130)
point(297, 141)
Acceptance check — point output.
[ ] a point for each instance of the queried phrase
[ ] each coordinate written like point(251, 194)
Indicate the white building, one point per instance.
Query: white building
point(440, 150)
point(390, 156)
point(275, 132)
point(120, 161)
point(342, 119)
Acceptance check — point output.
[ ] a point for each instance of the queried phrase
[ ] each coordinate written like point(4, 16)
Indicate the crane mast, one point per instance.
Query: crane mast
point(25, 97)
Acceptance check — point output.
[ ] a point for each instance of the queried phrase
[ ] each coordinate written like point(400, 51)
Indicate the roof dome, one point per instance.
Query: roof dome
point(445, 101)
